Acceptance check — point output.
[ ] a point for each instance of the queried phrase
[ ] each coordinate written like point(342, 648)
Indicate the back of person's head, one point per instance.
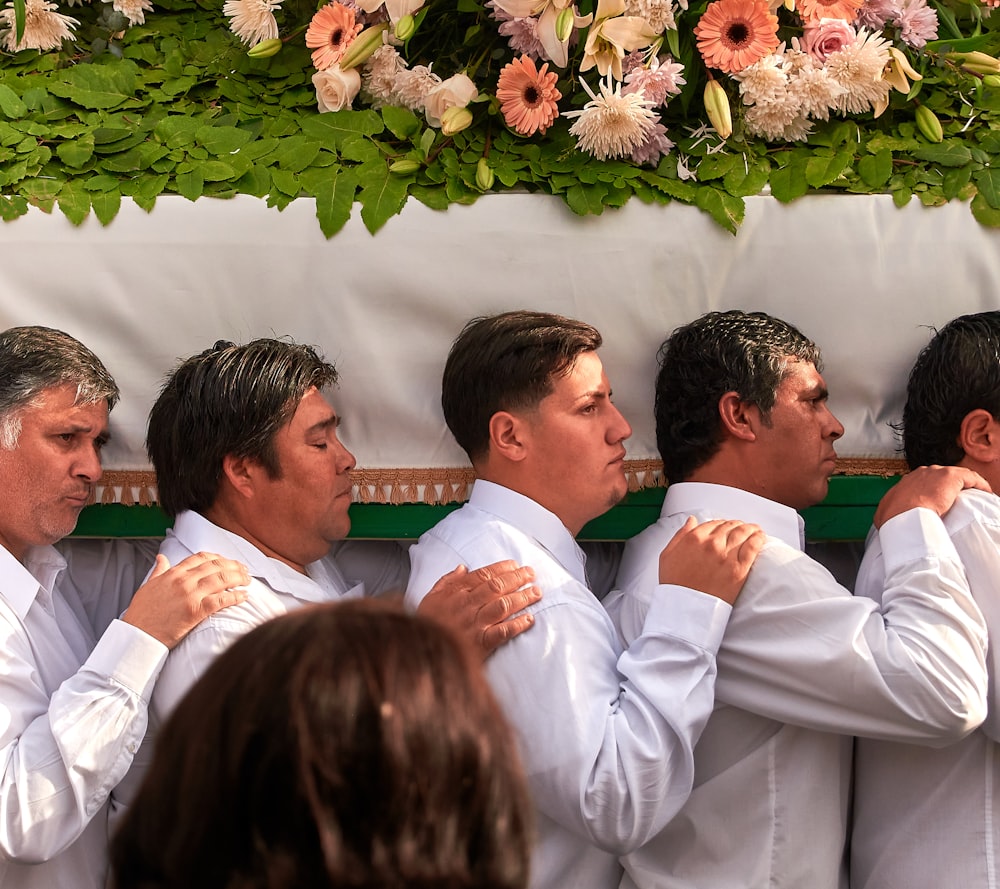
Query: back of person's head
point(228, 400)
point(341, 745)
point(743, 352)
point(957, 372)
point(33, 359)
point(506, 362)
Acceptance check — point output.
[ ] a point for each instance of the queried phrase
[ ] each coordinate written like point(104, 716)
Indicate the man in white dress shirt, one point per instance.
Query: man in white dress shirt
point(248, 462)
point(925, 818)
point(606, 734)
point(744, 431)
point(74, 689)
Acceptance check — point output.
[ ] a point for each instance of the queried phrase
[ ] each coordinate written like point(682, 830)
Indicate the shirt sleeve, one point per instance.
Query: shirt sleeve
point(607, 736)
point(63, 754)
point(801, 649)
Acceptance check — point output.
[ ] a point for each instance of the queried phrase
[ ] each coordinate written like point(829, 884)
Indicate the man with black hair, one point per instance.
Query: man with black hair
point(244, 442)
point(744, 431)
point(928, 817)
point(75, 679)
point(606, 734)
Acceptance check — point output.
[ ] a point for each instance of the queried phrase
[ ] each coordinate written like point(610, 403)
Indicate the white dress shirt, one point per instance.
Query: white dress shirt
point(275, 589)
point(606, 735)
point(803, 665)
point(930, 818)
point(74, 709)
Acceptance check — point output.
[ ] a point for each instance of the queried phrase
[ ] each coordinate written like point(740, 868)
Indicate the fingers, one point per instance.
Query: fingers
point(501, 608)
point(497, 580)
point(214, 602)
point(496, 635)
point(161, 565)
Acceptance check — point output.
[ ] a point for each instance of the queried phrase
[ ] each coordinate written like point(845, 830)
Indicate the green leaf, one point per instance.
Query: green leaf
point(401, 122)
point(74, 201)
point(988, 183)
point(382, 196)
point(822, 170)
point(586, 199)
point(725, 209)
point(715, 166)
point(984, 213)
point(12, 207)
point(221, 140)
point(746, 179)
point(876, 169)
point(950, 153)
point(98, 86)
point(191, 185)
point(332, 128)
point(955, 181)
point(789, 182)
point(286, 182)
point(361, 150)
point(76, 153)
point(334, 201)
point(10, 103)
point(176, 131)
point(106, 205)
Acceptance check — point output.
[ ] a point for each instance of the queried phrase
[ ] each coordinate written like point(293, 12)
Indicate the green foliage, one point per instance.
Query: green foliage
point(177, 107)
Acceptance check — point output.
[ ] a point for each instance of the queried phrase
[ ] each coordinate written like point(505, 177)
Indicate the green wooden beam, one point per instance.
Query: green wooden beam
point(845, 514)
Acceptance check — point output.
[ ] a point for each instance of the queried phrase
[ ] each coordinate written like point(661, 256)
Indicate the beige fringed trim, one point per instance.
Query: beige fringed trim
point(438, 486)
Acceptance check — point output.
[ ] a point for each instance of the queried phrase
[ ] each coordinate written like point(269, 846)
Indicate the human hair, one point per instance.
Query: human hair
point(340, 745)
point(33, 359)
point(227, 400)
point(957, 372)
point(506, 362)
point(733, 351)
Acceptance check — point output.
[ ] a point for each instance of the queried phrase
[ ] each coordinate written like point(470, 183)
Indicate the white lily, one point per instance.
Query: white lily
point(396, 9)
point(547, 12)
point(612, 35)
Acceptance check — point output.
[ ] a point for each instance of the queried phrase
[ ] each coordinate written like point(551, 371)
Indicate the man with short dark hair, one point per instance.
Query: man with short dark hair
point(74, 688)
point(244, 443)
point(744, 430)
point(928, 817)
point(606, 735)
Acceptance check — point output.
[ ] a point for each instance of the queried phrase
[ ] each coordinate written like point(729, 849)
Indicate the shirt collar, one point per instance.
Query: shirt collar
point(35, 579)
point(777, 520)
point(532, 519)
point(198, 534)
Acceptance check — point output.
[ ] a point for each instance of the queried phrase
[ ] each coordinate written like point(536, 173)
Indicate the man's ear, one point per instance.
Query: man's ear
point(979, 436)
point(507, 438)
point(240, 473)
point(739, 418)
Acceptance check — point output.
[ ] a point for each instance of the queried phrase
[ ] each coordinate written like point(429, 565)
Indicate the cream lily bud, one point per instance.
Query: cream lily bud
point(404, 167)
point(565, 22)
point(717, 108)
point(404, 28)
point(928, 124)
point(454, 120)
point(484, 175)
point(992, 80)
point(266, 48)
point(362, 47)
point(977, 62)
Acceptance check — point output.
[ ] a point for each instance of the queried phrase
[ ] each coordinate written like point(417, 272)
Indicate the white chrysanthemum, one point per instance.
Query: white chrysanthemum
point(252, 20)
point(816, 92)
point(798, 130)
point(858, 68)
point(134, 10)
point(44, 28)
point(380, 77)
point(413, 86)
point(659, 14)
point(770, 120)
point(795, 60)
point(763, 81)
point(612, 124)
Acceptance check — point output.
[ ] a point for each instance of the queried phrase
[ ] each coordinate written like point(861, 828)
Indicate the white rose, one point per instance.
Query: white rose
point(336, 89)
point(455, 92)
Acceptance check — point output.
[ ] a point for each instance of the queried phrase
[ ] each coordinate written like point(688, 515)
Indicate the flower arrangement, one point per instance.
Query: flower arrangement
point(704, 101)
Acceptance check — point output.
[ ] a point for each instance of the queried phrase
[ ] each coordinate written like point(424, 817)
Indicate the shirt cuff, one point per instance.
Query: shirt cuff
point(688, 614)
point(128, 656)
point(913, 535)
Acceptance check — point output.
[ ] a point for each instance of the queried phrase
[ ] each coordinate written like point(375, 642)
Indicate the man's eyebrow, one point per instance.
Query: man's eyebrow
point(323, 425)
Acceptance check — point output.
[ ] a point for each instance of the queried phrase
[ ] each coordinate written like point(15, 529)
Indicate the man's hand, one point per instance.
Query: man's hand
point(173, 601)
point(714, 557)
point(483, 606)
point(932, 487)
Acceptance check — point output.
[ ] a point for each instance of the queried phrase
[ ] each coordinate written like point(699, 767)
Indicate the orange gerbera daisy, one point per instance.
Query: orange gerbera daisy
point(332, 29)
point(814, 10)
point(528, 96)
point(735, 33)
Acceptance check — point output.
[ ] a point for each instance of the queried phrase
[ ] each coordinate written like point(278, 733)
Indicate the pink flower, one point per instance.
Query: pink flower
point(917, 23)
point(874, 14)
point(528, 96)
point(656, 145)
point(658, 82)
point(826, 36)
